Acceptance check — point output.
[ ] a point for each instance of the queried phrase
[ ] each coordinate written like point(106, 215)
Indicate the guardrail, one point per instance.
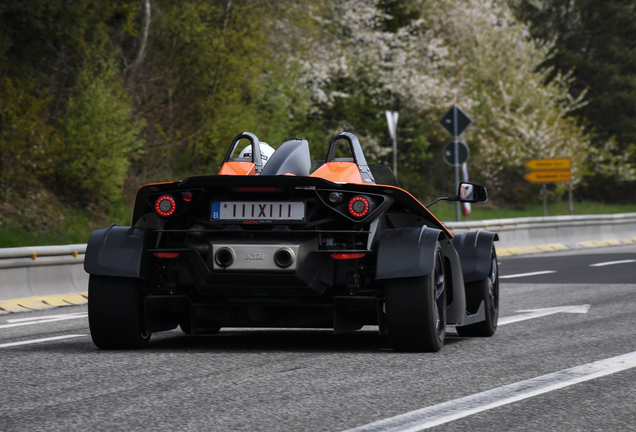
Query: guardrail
point(42, 270)
point(41, 256)
point(51, 270)
point(569, 231)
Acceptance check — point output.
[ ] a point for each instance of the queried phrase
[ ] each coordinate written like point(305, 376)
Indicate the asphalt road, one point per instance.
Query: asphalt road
point(285, 380)
point(612, 265)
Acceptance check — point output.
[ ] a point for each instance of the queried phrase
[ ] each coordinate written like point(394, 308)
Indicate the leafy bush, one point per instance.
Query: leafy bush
point(27, 142)
point(100, 134)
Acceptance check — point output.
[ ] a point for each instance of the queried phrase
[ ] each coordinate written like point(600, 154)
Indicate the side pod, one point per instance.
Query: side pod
point(474, 253)
point(118, 251)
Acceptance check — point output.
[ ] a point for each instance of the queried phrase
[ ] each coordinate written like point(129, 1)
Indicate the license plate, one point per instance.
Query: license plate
point(270, 211)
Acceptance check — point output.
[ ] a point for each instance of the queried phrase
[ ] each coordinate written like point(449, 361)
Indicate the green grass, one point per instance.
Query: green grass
point(16, 237)
point(75, 227)
point(445, 210)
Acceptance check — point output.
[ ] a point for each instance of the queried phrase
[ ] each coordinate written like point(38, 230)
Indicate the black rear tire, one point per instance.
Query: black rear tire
point(486, 290)
point(115, 313)
point(416, 310)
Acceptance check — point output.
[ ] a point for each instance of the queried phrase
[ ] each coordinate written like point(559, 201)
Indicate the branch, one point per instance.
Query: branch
point(144, 35)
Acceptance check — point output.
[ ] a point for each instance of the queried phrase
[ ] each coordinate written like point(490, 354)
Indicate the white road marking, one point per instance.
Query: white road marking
point(527, 274)
point(15, 320)
point(463, 407)
point(537, 313)
point(603, 264)
point(42, 320)
point(27, 342)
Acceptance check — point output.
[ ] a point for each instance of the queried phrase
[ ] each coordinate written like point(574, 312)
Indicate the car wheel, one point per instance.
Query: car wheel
point(115, 313)
point(486, 290)
point(416, 310)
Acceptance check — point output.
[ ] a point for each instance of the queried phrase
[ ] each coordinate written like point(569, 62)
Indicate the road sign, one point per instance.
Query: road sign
point(549, 176)
point(392, 119)
point(549, 164)
point(462, 154)
point(455, 121)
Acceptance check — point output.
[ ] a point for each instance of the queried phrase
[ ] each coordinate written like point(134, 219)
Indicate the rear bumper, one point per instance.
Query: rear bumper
point(314, 274)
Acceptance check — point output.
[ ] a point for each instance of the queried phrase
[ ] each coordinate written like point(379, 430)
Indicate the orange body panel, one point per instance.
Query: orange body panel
point(342, 172)
point(238, 168)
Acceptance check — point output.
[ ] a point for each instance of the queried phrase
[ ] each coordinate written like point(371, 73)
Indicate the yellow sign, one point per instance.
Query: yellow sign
point(549, 176)
point(549, 164)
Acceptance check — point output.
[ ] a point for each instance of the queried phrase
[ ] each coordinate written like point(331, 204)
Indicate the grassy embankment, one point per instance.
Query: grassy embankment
point(57, 228)
point(76, 227)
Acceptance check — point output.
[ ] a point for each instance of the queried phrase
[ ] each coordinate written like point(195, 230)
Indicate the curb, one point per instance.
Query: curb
point(28, 304)
point(562, 246)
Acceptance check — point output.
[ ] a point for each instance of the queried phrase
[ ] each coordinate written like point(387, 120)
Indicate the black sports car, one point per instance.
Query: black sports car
point(276, 244)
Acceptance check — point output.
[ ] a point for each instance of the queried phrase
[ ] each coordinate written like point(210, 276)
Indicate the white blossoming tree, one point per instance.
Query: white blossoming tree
point(517, 115)
point(359, 69)
point(472, 52)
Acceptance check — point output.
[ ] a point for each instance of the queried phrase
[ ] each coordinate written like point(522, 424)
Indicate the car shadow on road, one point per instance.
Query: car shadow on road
point(244, 341)
point(278, 340)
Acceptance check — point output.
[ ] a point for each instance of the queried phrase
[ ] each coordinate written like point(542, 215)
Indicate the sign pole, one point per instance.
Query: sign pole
point(455, 136)
point(570, 198)
point(544, 192)
point(455, 122)
point(392, 119)
point(395, 155)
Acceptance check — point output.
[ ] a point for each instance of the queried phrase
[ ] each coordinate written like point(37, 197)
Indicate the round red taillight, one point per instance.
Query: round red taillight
point(187, 196)
point(359, 206)
point(165, 205)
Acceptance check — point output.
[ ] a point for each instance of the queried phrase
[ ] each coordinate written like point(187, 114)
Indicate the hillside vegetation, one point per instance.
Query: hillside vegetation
point(99, 97)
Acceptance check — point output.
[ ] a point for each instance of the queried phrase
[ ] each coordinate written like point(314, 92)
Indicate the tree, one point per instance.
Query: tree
point(44, 41)
point(100, 135)
point(520, 112)
point(27, 142)
point(594, 39)
point(373, 56)
point(211, 71)
point(428, 55)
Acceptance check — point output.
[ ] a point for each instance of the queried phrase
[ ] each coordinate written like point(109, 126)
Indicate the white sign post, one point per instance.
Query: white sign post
point(392, 119)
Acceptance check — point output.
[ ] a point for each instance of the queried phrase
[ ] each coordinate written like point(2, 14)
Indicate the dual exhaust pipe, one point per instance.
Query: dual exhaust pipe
point(225, 256)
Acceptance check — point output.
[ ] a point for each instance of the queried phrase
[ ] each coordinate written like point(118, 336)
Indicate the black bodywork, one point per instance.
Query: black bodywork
point(176, 257)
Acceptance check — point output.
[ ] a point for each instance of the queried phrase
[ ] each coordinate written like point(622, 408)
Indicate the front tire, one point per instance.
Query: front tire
point(486, 290)
point(416, 310)
point(115, 313)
